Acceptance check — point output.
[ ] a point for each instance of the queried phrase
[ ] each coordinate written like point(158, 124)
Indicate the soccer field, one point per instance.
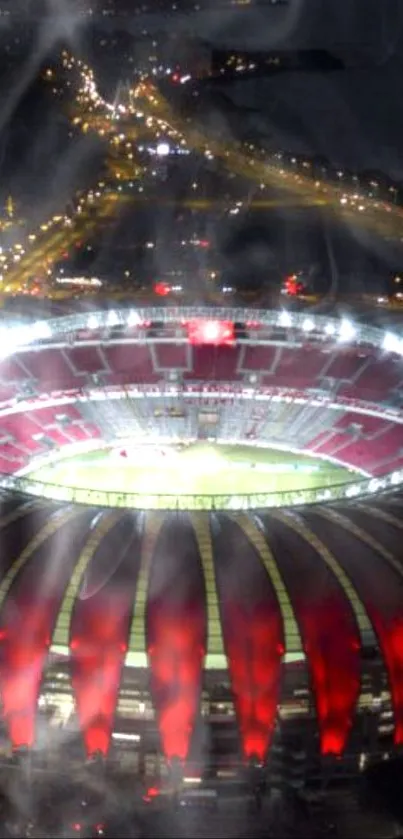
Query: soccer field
point(195, 469)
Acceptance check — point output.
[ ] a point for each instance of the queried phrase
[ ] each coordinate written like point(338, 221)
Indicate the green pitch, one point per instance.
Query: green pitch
point(194, 469)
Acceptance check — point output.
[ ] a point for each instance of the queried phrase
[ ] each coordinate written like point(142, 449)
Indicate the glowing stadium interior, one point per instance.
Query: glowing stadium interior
point(86, 380)
point(249, 620)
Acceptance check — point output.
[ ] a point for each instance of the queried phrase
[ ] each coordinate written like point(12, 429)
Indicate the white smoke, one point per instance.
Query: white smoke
point(62, 21)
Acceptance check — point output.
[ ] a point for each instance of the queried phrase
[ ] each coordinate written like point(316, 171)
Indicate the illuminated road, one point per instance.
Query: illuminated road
point(53, 243)
point(148, 114)
point(383, 218)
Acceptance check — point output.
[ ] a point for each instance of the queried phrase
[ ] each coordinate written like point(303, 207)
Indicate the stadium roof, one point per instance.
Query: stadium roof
point(341, 329)
point(179, 592)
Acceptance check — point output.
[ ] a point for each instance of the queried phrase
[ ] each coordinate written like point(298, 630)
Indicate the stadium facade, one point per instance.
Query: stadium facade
point(215, 635)
point(263, 629)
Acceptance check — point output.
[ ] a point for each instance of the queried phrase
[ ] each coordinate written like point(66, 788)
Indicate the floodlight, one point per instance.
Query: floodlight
point(285, 319)
point(346, 331)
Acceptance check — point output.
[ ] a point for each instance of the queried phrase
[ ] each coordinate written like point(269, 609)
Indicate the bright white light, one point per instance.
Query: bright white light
point(211, 331)
point(41, 330)
point(308, 325)
point(92, 322)
point(325, 495)
point(351, 491)
point(6, 350)
point(163, 149)
point(285, 319)
point(133, 318)
point(19, 336)
point(391, 343)
point(113, 319)
point(80, 281)
point(346, 331)
point(330, 329)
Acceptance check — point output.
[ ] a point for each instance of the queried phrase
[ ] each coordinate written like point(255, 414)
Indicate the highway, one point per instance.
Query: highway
point(148, 114)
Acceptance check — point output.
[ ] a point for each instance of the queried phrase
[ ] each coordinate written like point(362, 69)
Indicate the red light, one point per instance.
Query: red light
point(293, 286)
point(254, 649)
point(162, 289)
point(218, 332)
point(334, 665)
point(176, 663)
point(97, 658)
point(23, 654)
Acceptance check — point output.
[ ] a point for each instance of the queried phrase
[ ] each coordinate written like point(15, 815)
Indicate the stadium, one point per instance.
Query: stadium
point(201, 542)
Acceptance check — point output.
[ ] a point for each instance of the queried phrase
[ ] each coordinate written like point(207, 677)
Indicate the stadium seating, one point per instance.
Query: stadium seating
point(292, 369)
point(214, 364)
point(22, 429)
point(12, 369)
point(172, 357)
point(130, 363)
point(378, 378)
point(368, 442)
point(377, 381)
point(346, 366)
point(7, 467)
point(24, 435)
point(354, 376)
point(392, 465)
point(364, 424)
point(85, 359)
point(7, 393)
point(258, 359)
point(49, 370)
point(11, 452)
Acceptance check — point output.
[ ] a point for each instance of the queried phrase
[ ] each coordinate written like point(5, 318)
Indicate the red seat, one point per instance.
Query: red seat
point(50, 369)
point(258, 359)
point(298, 369)
point(133, 362)
point(345, 365)
point(172, 356)
point(85, 359)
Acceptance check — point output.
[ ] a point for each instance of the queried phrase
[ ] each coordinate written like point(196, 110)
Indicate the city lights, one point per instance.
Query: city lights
point(143, 119)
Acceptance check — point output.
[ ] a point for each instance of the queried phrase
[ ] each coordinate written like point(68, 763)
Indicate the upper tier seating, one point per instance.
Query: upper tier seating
point(316, 368)
point(301, 369)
